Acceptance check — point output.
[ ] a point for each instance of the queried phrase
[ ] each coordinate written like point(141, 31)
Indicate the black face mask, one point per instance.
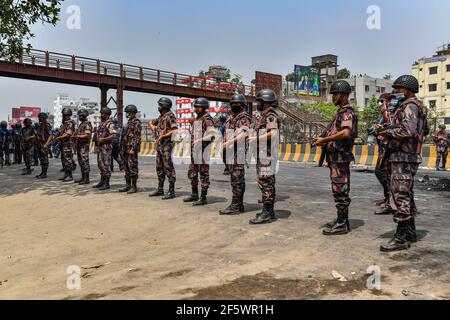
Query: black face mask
point(260, 107)
point(236, 109)
point(161, 110)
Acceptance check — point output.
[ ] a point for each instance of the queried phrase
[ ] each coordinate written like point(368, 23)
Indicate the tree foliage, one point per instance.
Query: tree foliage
point(369, 117)
point(16, 18)
point(344, 74)
point(324, 109)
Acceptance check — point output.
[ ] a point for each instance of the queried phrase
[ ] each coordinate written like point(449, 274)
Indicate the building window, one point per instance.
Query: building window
point(353, 89)
point(448, 85)
point(367, 88)
point(432, 87)
point(378, 89)
point(432, 104)
point(433, 70)
point(448, 68)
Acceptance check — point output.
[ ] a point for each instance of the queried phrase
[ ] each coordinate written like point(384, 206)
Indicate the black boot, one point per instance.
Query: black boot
point(382, 203)
point(81, 179)
point(27, 171)
point(86, 180)
point(399, 241)
point(233, 209)
point(69, 177)
point(159, 192)
point(193, 197)
point(43, 174)
point(266, 216)
point(105, 185)
point(202, 201)
point(133, 188)
point(241, 204)
point(342, 225)
point(127, 187)
point(62, 170)
point(171, 194)
point(100, 184)
point(66, 174)
point(411, 232)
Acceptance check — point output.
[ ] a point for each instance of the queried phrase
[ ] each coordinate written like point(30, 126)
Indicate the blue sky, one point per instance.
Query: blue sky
point(245, 35)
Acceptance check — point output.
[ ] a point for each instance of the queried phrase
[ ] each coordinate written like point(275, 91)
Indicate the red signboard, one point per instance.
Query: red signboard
point(29, 112)
point(269, 81)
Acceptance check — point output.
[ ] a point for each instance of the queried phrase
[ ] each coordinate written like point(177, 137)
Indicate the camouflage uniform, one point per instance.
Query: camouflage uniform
point(405, 147)
point(5, 140)
point(45, 131)
point(441, 139)
point(104, 151)
point(164, 163)
point(237, 124)
point(198, 129)
point(82, 147)
point(27, 146)
point(340, 154)
point(68, 128)
point(265, 170)
point(131, 140)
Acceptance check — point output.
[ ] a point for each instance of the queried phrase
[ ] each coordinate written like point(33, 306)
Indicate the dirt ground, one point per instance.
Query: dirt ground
point(134, 247)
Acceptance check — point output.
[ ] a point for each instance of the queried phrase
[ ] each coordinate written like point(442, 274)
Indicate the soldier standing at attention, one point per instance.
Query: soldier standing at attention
point(339, 141)
point(44, 137)
point(235, 136)
point(82, 139)
point(130, 146)
point(115, 155)
point(164, 127)
point(442, 140)
point(67, 131)
point(106, 133)
point(202, 135)
point(405, 147)
point(27, 145)
point(267, 138)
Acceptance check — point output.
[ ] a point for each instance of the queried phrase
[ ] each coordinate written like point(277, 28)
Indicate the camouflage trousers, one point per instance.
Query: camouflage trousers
point(83, 157)
point(441, 156)
point(164, 163)
point(130, 164)
point(238, 180)
point(104, 160)
point(402, 189)
point(67, 156)
point(340, 184)
point(43, 157)
point(266, 182)
point(196, 170)
point(28, 150)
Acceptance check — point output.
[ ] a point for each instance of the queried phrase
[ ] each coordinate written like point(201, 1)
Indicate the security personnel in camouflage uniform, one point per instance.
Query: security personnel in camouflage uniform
point(405, 146)
point(66, 144)
point(338, 142)
point(16, 140)
point(44, 136)
point(267, 138)
point(202, 135)
point(130, 146)
point(82, 140)
point(235, 143)
point(163, 128)
point(106, 133)
point(27, 146)
point(442, 140)
point(5, 140)
point(115, 155)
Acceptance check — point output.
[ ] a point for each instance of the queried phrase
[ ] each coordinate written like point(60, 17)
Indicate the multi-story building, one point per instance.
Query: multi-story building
point(434, 79)
point(364, 88)
point(63, 101)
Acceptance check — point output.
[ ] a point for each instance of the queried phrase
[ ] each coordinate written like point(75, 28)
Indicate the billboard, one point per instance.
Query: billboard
point(22, 113)
point(269, 81)
point(307, 81)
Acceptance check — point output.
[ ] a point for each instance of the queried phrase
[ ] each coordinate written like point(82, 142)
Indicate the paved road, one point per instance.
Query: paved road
point(133, 247)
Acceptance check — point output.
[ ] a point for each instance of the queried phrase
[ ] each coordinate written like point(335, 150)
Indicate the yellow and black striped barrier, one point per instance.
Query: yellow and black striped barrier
point(365, 155)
